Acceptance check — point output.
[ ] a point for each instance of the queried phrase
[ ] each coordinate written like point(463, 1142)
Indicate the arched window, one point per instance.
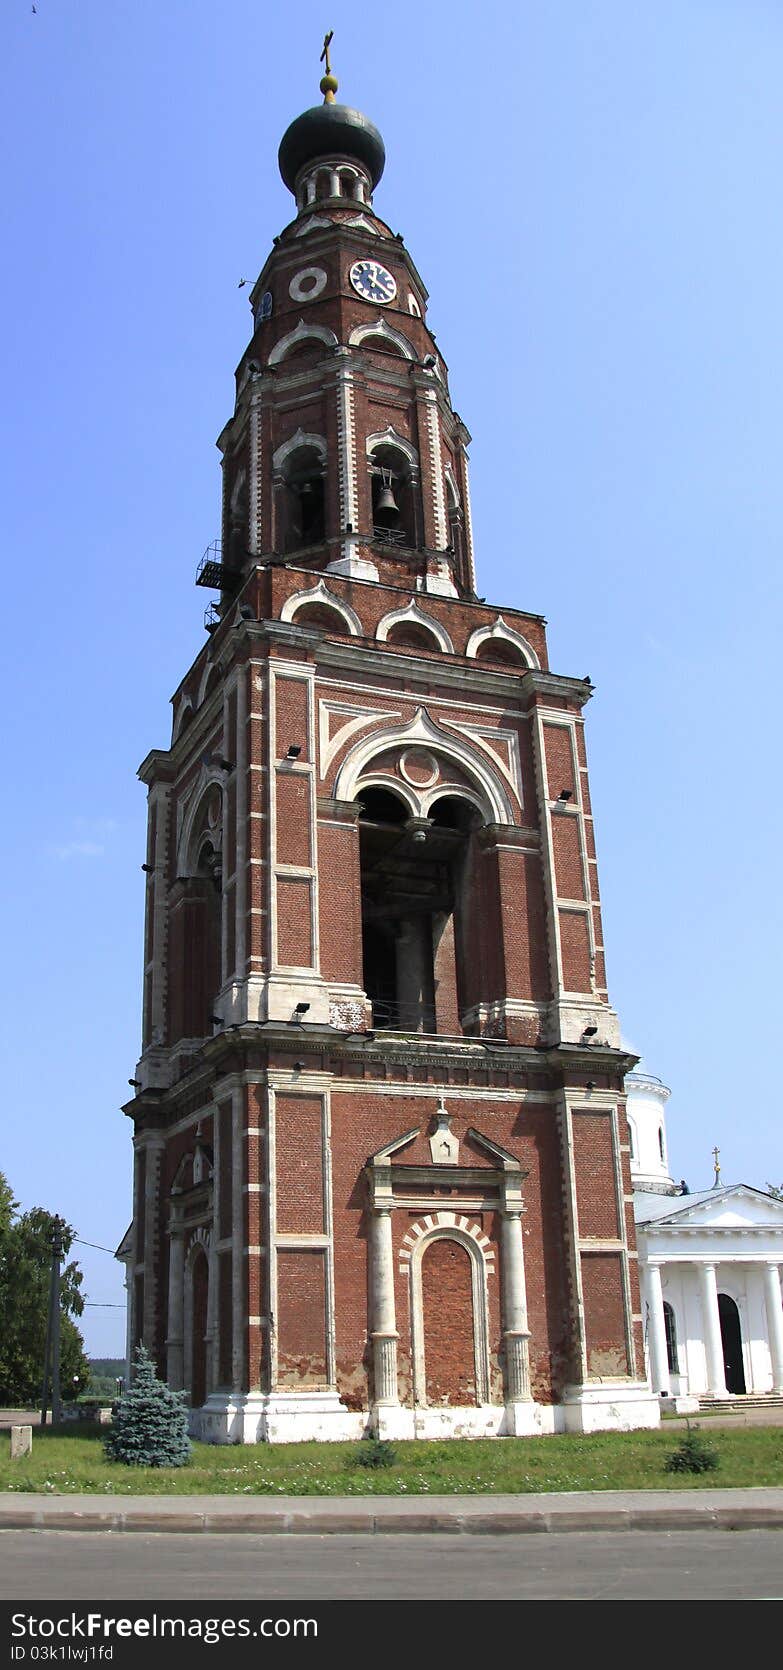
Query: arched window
point(632, 1138)
point(670, 1326)
point(301, 499)
point(660, 1143)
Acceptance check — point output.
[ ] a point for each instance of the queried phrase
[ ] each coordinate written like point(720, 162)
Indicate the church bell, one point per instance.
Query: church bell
point(387, 508)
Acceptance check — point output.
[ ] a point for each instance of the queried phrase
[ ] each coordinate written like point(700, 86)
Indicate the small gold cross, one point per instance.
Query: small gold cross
point(324, 59)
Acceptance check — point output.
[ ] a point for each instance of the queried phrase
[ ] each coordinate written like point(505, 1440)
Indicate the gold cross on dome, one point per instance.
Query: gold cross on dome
point(324, 58)
point(716, 1158)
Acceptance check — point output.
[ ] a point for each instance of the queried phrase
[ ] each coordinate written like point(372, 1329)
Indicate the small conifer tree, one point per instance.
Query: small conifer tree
point(150, 1423)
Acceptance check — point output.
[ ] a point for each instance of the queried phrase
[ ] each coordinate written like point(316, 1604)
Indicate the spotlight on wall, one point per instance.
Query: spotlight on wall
point(589, 1031)
point(148, 869)
point(589, 1085)
point(301, 1008)
point(292, 753)
point(245, 612)
point(217, 1020)
point(135, 1084)
point(566, 795)
point(298, 1066)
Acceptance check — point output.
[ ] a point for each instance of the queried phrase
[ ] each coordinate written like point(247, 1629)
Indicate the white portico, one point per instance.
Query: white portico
point(710, 1270)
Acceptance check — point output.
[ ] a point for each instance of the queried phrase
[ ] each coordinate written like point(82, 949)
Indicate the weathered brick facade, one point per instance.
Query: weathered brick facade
point(382, 1160)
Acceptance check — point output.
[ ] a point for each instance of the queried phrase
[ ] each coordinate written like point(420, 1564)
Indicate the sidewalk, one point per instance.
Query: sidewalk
point(611, 1510)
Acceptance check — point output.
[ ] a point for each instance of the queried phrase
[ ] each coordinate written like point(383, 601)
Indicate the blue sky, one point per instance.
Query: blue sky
point(592, 195)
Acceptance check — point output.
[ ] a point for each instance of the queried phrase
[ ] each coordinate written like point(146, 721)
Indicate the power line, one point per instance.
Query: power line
point(98, 1304)
point(95, 1244)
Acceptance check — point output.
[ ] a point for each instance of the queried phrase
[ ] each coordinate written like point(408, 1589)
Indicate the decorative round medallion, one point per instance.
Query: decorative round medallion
point(307, 284)
point(419, 768)
point(372, 282)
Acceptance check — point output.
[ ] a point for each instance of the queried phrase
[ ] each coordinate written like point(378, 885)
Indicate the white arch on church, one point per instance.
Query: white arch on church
point(294, 443)
point(505, 634)
point(301, 333)
point(379, 327)
point(412, 613)
point(321, 594)
point(491, 794)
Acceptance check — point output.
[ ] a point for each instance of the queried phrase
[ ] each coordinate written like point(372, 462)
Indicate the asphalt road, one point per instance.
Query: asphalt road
point(627, 1565)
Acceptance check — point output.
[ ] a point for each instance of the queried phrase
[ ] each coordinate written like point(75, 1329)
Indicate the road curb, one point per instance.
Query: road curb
point(317, 1521)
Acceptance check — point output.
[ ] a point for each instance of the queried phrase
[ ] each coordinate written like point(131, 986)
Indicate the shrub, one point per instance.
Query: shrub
point(692, 1455)
point(150, 1422)
point(375, 1452)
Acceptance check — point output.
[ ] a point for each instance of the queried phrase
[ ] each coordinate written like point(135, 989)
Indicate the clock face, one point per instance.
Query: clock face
point(371, 281)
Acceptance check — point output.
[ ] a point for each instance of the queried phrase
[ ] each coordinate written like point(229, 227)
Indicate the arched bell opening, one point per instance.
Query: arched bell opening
point(497, 652)
point(410, 634)
point(396, 510)
point(302, 499)
point(412, 882)
point(322, 616)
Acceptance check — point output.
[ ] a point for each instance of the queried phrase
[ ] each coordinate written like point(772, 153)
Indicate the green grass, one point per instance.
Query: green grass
point(66, 1462)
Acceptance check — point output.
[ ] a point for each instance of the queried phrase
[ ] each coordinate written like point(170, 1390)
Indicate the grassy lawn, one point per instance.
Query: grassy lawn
point(62, 1462)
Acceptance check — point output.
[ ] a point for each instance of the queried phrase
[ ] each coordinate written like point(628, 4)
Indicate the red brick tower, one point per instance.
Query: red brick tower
point(381, 1150)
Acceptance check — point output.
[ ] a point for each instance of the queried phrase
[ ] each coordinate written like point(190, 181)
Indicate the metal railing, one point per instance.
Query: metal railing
point(388, 1016)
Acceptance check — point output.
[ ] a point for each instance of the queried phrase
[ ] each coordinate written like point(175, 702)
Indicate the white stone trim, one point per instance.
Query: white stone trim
point(389, 437)
point(184, 706)
point(430, 401)
point(346, 455)
point(357, 718)
point(301, 333)
point(412, 612)
point(505, 634)
point(295, 290)
point(321, 594)
point(300, 439)
point(379, 327)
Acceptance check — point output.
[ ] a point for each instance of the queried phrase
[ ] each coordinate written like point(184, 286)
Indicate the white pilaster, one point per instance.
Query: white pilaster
point(515, 1328)
point(659, 1357)
point(774, 1307)
point(384, 1321)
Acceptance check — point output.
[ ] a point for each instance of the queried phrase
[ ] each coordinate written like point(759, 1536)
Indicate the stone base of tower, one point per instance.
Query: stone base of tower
point(604, 1407)
point(276, 1418)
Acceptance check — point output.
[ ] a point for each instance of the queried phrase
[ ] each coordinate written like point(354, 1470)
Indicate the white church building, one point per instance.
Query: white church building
point(710, 1269)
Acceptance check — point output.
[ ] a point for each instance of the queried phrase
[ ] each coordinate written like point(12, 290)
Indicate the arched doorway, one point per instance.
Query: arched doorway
point(198, 1350)
point(731, 1337)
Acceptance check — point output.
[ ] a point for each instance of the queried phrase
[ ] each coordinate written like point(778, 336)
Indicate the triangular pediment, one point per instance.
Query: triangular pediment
point(737, 1207)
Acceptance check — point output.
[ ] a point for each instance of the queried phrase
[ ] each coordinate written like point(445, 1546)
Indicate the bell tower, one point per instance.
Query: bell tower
point(381, 1155)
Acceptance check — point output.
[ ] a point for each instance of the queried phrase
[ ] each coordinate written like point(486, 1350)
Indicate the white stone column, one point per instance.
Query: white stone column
point(238, 1261)
point(384, 1322)
point(175, 1337)
point(713, 1342)
point(659, 1356)
point(515, 1329)
point(774, 1307)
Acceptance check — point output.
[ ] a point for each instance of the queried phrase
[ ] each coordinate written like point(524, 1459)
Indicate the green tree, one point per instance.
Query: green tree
point(25, 1265)
point(150, 1425)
